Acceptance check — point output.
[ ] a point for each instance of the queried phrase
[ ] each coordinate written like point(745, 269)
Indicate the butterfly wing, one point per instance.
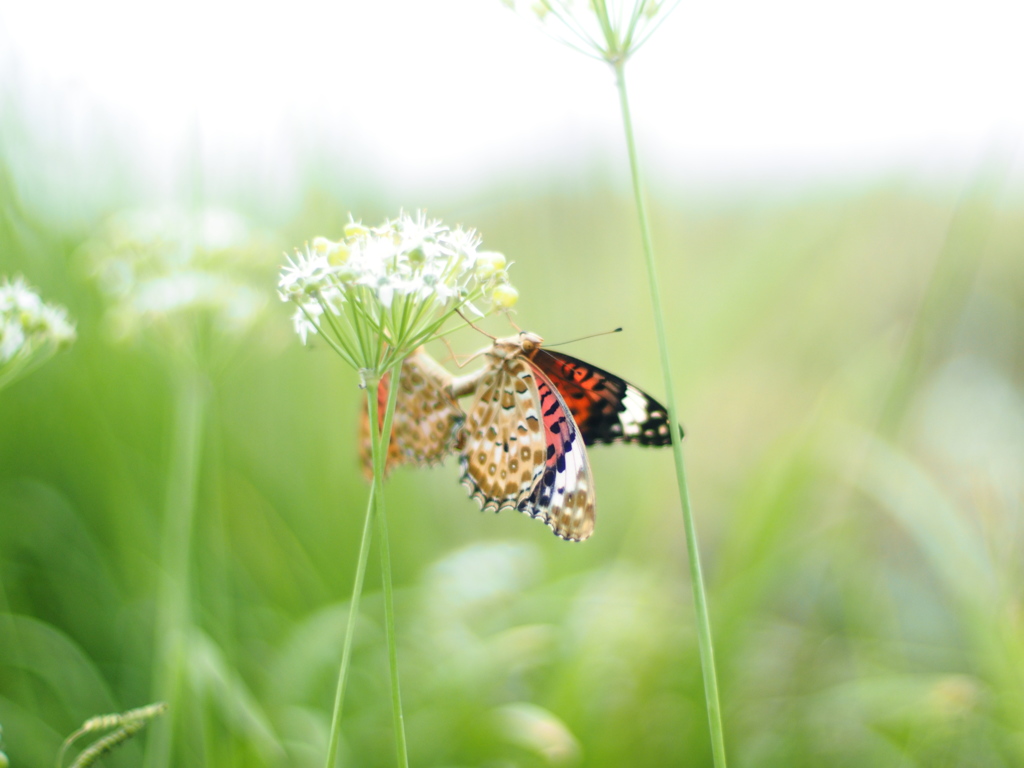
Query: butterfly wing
point(427, 423)
point(523, 451)
point(606, 408)
point(563, 497)
point(505, 445)
point(394, 457)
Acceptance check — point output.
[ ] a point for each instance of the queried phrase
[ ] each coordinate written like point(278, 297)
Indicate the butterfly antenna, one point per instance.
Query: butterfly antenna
point(475, 326)
point(581, 338)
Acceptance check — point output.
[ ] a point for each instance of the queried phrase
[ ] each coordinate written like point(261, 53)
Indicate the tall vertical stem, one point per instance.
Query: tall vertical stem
point(173, 599)
point(707, 652)
point(381, 440)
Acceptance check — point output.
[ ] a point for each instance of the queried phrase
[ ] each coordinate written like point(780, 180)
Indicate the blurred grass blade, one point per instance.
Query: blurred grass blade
point(941, 531)
point(174, 606)
point(220, 686)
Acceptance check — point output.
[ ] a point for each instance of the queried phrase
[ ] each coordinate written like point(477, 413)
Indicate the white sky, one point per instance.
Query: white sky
point(427, 92)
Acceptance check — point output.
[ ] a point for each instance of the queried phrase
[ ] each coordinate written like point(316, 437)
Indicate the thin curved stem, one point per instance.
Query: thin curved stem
point(346, 649)
point(704, 639)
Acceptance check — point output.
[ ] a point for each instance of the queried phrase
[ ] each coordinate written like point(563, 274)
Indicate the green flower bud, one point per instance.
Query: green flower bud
point(416, 256)
point(489, 262)
point(504, 296)
point(355, 229)
point(322, 246)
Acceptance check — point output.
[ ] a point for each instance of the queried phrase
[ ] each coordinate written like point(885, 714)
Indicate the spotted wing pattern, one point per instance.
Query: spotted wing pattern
point(505, 449)
point(523, 451)
point(427, 423)
point(534, 412)
point(607, 409)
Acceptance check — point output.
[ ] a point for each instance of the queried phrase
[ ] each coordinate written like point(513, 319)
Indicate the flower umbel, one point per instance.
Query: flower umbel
point(162, 267)
point(31, 331)
point(611, 30)
point(380, 292)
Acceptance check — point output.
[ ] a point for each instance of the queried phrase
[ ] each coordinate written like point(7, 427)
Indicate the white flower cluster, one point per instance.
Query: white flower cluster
point(604, 29)
point(154, 266)
point(31, 331)
point(383, 291)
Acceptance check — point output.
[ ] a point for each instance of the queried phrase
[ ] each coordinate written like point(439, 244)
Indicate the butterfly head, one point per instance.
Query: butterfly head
point(524, 343)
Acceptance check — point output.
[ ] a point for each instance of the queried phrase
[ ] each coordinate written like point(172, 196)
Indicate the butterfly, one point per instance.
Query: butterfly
point(534, 412)
point(427, 422)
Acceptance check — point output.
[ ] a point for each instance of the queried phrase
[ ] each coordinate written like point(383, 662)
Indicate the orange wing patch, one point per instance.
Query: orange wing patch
point(607, 409)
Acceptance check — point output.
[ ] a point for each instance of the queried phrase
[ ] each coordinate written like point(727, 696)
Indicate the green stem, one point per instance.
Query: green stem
point(346, 650)
point(707, 652)
point(173, 609)
point(379, 446)
point(338, 339)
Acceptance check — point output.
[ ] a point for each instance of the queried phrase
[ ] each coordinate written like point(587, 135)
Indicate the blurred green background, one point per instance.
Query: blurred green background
point(850, 371)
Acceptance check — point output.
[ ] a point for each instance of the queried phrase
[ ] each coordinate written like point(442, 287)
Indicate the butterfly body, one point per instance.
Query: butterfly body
point(534, 412)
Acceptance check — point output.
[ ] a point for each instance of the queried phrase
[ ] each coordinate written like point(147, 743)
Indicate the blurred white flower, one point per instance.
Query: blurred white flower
point(380, 292)
point(31, 331)
point(610, 30)
point(161, 266)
